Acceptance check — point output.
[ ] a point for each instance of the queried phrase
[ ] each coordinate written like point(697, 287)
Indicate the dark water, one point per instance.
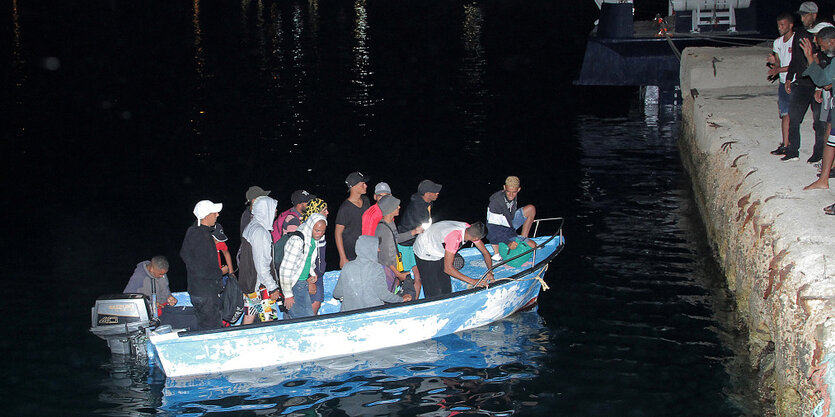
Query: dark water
point(120, 116)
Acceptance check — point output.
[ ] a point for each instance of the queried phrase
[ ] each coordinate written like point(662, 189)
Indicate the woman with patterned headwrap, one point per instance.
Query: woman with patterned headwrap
point(317, 290)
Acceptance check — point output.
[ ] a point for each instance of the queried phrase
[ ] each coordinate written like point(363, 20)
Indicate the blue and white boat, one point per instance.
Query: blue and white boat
point(333, 333)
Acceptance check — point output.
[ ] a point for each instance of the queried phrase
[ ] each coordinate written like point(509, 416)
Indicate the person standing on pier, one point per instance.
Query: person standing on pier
point(802, 90)
point(778, 62)
point(822, 76)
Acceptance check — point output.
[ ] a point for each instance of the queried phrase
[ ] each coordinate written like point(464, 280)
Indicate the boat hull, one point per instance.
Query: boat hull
point(338, 334)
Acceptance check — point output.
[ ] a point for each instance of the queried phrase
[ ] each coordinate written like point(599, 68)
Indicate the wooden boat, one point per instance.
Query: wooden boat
point(334, 333)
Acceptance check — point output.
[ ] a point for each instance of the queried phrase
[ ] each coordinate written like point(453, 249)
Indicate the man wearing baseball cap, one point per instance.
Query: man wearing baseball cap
point(349, 217)
point(251, 194)
point(289, 220)
point(204, 274)
point(372, 216)
point(802, 90)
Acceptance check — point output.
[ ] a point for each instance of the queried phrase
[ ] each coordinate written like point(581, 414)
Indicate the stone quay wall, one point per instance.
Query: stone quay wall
point(772, 238)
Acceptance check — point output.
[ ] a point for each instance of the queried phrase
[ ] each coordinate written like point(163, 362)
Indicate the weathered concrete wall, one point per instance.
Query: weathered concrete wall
point(772, 238)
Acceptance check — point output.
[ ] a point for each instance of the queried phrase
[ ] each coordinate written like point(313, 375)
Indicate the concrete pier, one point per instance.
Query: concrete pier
point(772, 238)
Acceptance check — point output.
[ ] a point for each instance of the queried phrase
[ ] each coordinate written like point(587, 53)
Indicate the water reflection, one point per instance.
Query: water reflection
point(18, 62)
point(473, 69)
point(466, 371)
point(198, 108)
point(362, 81)
point(17, 48)
point(127, 391)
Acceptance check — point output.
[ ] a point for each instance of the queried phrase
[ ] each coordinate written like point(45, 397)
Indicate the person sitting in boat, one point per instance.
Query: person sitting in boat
point(150, 275)
point(389, 237)
point(317, 205)
point(297, 268)
point(372, 216)
point(435, 249)
point(362, 282)
point(289, 220)
point(505, 217)
point(255, 263)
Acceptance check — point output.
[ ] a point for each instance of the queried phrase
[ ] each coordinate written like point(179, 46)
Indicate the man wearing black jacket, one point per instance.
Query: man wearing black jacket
point(205, 276)
point(802, 90)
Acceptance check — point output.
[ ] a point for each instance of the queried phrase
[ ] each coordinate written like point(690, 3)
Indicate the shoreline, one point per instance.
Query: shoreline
point(771, 237)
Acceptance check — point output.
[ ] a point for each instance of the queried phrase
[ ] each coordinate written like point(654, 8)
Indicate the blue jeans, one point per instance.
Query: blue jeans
point(783, 100)
point(302, 306)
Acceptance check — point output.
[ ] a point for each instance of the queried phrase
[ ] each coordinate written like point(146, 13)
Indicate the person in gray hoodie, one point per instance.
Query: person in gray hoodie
point(362, 282)
point(255, 265)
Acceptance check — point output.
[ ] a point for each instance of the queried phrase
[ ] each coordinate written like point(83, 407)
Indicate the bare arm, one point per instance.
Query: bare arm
point(340, 247)
point(451, 271)
point(228, 259)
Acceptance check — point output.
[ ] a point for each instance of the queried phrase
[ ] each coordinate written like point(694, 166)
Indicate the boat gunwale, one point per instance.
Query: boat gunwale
point(512, 278)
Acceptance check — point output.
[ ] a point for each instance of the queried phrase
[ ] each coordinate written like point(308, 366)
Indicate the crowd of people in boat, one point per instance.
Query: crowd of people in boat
point(281, 260)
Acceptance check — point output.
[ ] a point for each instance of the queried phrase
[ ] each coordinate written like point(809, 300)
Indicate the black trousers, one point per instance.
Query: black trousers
point(802, 97)
point(432, 277)
point(207, 310)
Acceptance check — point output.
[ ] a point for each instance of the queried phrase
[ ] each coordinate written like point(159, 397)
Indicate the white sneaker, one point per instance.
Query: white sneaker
point(496, 257)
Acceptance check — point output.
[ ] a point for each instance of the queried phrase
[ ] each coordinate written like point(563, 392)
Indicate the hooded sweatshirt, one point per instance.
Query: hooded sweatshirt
point(416, 213)
point(257, 234)
point(296, 253)
point(142, 282)
point(362, 282)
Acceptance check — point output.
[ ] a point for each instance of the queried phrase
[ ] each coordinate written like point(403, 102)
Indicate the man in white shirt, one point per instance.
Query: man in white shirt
point(778, 63)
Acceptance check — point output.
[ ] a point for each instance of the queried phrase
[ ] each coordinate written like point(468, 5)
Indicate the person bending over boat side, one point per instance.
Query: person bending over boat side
point(389, 237)
point(256, 257)
point(317, 205)
point(362, 282)
point(505, 217)
point(205, 277)
point(349, 217)
point(297, 270)
point(435, 249)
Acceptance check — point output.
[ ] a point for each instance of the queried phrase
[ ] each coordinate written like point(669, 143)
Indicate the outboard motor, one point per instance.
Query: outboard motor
point(121, 320)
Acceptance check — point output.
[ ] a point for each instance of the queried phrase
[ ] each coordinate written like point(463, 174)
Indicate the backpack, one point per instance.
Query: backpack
point(278, 250)
point(279, 221)
point(233, 301)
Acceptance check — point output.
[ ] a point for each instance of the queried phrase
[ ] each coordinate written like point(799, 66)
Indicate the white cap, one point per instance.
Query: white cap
point(205, 207)
point(817, 28)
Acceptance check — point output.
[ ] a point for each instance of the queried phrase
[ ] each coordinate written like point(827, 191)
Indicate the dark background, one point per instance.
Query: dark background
point(119, 116)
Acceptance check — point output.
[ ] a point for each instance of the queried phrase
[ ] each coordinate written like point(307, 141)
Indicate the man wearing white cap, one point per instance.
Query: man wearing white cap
point(204, 274)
